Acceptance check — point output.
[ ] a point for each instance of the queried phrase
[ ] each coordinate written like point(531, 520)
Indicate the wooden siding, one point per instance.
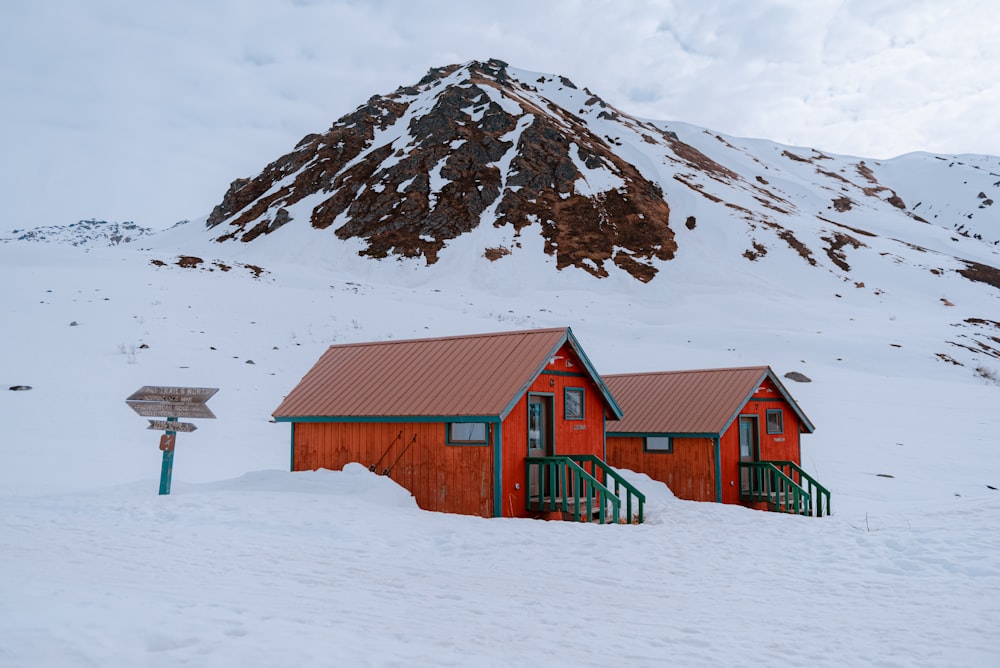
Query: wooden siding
point(446, 478)
point(784, 446)
point(572, 437)
point(459, 479)
point(730, 447)
point(689, 471)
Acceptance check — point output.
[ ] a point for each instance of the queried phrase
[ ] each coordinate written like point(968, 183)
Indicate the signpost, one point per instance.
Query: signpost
point(163, 425)
point(171, 403)
point(171, 409)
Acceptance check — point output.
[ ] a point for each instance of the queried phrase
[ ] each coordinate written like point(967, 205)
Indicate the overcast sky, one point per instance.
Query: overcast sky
point(124, 110)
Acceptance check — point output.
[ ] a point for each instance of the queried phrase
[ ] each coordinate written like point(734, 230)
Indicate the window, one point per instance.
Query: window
point(573, 403)
point(775, 421)
point(658, 444)
point(467, 433)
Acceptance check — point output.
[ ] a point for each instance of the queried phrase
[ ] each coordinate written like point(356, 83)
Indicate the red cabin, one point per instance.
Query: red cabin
point(507, 424)
point(725, 435)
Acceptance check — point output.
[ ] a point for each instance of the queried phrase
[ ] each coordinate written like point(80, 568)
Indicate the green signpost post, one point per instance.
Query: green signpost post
point(171, 403)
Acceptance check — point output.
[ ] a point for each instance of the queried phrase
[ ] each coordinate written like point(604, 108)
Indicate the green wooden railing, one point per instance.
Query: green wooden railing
point(783, 485)
point(564, 484)
point(600, 470)
point(819, 494)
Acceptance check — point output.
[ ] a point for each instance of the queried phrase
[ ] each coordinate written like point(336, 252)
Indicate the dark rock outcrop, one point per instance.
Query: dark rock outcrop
point(465, 146)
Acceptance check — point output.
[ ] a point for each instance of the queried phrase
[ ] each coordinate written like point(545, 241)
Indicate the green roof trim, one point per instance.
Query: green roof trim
point(615, 408)
point(718, 469)
point(769, 374)
point(594, 376)
point(498, 469)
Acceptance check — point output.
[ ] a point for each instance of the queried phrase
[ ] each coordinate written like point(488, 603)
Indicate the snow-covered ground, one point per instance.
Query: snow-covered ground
point(246, 564)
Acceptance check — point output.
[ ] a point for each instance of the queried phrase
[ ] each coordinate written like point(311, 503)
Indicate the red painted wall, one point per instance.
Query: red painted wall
point(458, 479)
point(446, 478)
point(689, 471)
point(784, 446)
point(572, 437)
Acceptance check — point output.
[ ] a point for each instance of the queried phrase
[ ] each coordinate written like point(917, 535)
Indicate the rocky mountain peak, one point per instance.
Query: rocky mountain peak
point(84, 233)
point(469, 145)
point(491, 153)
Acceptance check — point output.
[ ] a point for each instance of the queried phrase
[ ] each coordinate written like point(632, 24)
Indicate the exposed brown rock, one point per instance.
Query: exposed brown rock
point(877, 189)
point(792, 156)
point(948, 358)
point(798, 246)
point(983, 336)
point(188, 261)
point(697, 187)
point(834, 250)
point(582, 230)
point(494, 254)
point(411, 194)
point(324, 155)
point(866, 171)
point(832, 175)
point(759, 251)
point(842, 204)
point(864, 233)
point(896, 201)
point(983, 321)
point(467, 145)
point(981, 273)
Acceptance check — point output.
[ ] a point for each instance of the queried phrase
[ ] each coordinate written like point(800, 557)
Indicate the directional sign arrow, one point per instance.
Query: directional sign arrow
point(163, 425)
point(170, 409)
point(186, 395)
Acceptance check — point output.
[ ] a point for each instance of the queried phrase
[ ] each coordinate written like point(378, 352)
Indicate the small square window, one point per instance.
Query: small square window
point(775, 421)
point(573, 403)
point(659, 444)
point(467, 433)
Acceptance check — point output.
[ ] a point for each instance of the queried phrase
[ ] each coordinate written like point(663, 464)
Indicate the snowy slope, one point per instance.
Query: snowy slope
point(247, 564)
point(334, 568)
point(481, 168)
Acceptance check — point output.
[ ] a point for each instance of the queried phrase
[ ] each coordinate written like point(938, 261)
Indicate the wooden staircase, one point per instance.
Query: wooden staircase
point(563, 486)
point(782, 486)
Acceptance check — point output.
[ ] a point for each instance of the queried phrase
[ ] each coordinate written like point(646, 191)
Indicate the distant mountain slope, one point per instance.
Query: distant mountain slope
point(514, 181)
point(487, 144)
point(82, 233)
point(465, 146)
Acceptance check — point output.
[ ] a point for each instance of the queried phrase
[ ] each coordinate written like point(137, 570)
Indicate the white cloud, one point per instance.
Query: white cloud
point(145, 112)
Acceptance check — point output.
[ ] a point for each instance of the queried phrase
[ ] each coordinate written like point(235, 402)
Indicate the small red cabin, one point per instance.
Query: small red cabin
point(725, 435)
point(458, 421)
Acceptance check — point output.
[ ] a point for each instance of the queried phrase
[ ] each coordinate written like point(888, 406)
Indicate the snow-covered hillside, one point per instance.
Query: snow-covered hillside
point(481, 169)
point(490, 148)
point(247, 564)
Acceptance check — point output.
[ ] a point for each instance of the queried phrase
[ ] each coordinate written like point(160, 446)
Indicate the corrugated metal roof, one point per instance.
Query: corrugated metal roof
point(476, 375)
point(687, 402)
